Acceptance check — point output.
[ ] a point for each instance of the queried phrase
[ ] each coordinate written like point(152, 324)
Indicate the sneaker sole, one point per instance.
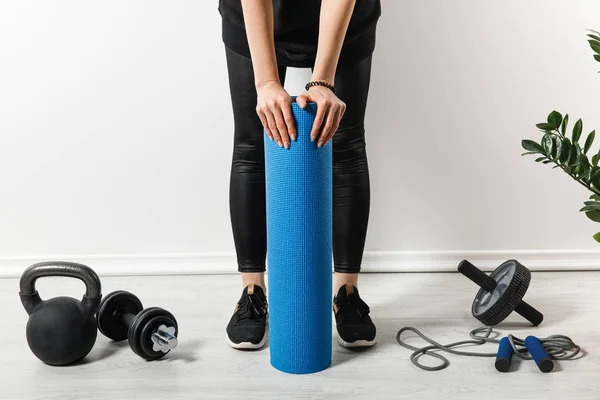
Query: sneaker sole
point(247, 345)
point(356, 343)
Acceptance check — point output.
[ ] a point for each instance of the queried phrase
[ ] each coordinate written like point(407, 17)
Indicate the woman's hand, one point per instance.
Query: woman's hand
point(330, 110)
point(275, 111)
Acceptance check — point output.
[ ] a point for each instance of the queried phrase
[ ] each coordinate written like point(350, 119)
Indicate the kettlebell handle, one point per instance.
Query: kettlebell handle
point(82, 272)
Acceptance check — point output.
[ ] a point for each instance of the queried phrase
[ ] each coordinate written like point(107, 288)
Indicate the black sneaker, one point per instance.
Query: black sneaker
point(247, 327)
point(354, 326)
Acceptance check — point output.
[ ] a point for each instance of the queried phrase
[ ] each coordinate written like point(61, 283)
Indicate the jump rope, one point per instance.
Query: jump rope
point(542, 350)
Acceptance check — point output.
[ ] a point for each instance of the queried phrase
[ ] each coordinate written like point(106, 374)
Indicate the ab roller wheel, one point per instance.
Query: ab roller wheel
point(151, 332)
point(501, 293)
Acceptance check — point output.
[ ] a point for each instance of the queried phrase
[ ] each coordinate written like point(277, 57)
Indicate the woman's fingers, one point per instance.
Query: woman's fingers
point(273, 127)
point(281, 127)
point(338, 119)
point(322, 109)
point(288, 118)
point(302, 100)
point(263, 121)
point(339, 114)
point(329, 127)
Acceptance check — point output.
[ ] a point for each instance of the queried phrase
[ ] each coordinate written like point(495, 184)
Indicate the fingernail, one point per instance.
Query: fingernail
point(279, 143)
point(286, 145)
point(320, 144)
point(293, 136)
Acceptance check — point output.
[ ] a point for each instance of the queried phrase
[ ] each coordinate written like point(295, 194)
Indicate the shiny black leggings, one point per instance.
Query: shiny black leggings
point(351, 192)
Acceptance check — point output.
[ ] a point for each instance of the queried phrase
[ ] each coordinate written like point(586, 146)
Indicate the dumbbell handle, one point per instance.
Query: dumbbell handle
point(529, 313)
point(127, 318)
point(476, 275)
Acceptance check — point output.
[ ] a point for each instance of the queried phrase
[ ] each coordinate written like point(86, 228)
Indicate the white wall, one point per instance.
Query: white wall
point(116, 133)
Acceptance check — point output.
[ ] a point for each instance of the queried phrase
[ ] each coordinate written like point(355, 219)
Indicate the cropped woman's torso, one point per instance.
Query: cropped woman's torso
point(296, 29)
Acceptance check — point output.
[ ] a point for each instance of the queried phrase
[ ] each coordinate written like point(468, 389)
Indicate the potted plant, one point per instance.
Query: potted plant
point(561, 145)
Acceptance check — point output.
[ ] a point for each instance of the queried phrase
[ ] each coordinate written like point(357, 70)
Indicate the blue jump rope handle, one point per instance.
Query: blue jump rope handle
point(541, 358)
point(504, 356)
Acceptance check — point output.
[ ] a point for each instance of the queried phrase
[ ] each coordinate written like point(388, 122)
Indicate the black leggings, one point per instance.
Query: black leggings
point(351, 191)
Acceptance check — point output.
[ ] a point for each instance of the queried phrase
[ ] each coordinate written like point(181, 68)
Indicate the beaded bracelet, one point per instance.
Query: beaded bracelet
point(320, 83)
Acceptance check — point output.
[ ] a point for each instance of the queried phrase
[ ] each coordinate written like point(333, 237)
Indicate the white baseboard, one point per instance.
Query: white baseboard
point(374, 261)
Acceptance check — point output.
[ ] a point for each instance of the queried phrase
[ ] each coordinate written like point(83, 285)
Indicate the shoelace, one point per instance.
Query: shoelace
point(353, 308)
point(250, 307)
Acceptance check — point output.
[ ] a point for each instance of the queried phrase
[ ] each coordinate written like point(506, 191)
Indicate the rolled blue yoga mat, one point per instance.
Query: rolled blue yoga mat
point(299, 257)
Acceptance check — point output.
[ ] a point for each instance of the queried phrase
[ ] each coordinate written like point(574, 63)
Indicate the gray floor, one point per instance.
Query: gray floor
point(203, 366)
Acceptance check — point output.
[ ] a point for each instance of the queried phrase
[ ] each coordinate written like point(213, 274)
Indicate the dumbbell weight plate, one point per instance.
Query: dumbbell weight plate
point(112, 306)
point(142, 327)
point(512, 280)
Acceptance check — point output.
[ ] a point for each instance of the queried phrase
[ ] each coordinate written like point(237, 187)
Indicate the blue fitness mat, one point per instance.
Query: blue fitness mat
point(299, 258)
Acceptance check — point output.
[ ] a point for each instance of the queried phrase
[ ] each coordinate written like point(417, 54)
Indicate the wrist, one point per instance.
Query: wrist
point(323, 76)
point(330, 80)
point(322, 84)
point(266, 82)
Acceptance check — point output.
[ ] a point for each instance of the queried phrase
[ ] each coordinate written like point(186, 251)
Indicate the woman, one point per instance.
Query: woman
point(335, 38)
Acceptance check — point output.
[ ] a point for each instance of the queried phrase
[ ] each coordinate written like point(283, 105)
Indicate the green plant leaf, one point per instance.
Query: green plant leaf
point(595, 207)
point(585, 176)
point(577, 129)
point(545, 126)
point(548, 145)
point(595, 160)
point(595, 197)
point(583, 173)
point(575, 156)
point(555, 119)
point(565, 124)
point(583, 168)
point(572, 157)
point(594, 171)
point(596, 182)
point(597, 57)
point(594, 37)
point(597, 237)
point(547, 162)
point(540, 159)
point(565, 152)
point(589, 141)
point(557, 147)
point(529, 153)
point(591, 203)
point(595, 45)
point(583, 160)
point(593, 215)
point(532, 146)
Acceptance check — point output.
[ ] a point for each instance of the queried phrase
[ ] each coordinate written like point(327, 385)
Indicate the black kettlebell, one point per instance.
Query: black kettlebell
point(60, 330)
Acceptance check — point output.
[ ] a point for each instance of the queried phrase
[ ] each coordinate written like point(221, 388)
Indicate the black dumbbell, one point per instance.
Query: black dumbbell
point(501, 292)
point(151, 332)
